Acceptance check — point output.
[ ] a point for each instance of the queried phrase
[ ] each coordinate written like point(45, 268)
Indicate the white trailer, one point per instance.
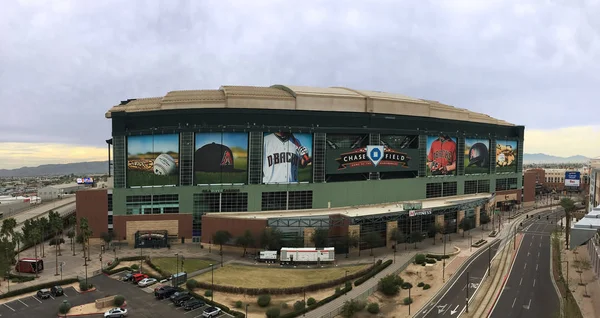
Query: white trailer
point(264, 256)
point(308, 255)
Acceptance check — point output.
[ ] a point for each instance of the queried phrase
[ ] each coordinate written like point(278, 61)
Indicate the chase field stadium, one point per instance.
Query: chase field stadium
point(354, 162)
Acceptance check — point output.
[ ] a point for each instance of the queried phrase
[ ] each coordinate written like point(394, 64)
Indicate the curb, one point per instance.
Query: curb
point(560, 297)
point(83, 315)
point(86, 291)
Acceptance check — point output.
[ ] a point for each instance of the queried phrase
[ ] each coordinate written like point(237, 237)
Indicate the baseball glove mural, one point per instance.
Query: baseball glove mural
point(153, 160)
point(506, 156)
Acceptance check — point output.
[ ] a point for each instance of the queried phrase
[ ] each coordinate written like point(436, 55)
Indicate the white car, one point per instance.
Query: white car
point(211, 312)
point(147, 282)
point(116, 312)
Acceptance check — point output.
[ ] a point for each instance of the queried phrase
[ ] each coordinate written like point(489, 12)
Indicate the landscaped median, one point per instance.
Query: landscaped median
point(100, 306)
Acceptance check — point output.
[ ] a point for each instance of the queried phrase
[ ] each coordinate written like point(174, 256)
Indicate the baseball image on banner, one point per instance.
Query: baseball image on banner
point(287, 157)
point(153, 160)
point(221, 158)
point(477, 156)
point(506, 156)
point(441, 155)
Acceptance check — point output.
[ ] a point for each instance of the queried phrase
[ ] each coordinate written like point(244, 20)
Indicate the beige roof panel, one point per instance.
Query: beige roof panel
point(340, 99)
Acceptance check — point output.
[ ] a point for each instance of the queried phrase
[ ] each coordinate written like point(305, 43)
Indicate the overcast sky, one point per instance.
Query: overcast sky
point(63, 64)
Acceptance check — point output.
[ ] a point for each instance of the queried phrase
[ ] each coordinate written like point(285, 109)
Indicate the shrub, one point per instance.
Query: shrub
point(373, 308)
point(431, 260)
point(285, 305)
point(238, 304)
point(311, 301)
point(390, 285)
point(350, 308)
point(338, 290)
point(135, 267)
point(378, 268)
point(421, 284)
point(426, 287)
point(406, 285)
point(407, 301)
point(273, 312)
point(191, 284)
point(264, 300)
point(420, 258)
point(119, 300)
point(208, 293)
point(64, 307)
point(83, 286)
point(299, 305)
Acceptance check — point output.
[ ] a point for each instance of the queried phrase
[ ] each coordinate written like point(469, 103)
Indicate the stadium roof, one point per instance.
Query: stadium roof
point(282, 97)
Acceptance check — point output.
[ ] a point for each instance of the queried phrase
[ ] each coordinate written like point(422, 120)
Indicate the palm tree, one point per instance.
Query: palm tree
point(44, 224)
point(36, 236)
point(18, 238)
point(86, 233)
point(56, 224)
point(8, 227)
point(71, 235)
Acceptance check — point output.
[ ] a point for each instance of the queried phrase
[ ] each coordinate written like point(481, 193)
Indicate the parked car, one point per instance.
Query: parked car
point(180, 300)
point(127, 277)
point(164, 292)
point(138, 277)
point(147, 282)
point(116, 312)
point(211, 312)
point(57, 291)
point(43, 293)
point(193, 304)
point(177, 294)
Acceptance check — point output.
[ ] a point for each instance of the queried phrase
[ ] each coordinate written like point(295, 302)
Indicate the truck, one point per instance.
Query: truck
point(267, 256)
point(29, 265)
point(307, 255)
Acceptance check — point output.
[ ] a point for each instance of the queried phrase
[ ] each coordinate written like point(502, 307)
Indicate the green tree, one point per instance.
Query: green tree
point(56, 224)
point(465, 225)
point(8, 227)
point(416, 237)
point(36, 236)
point(107, 237)
point(221, 237)
point(372, 239)
point(271, 239)
point(18, 239)
point(71, 235)
point(569, 206)
point(397, 236)
point(390, 285)
point(44, 226)
point(484, 219)
point(245, 241)
point(86, 232)
point(320, 237)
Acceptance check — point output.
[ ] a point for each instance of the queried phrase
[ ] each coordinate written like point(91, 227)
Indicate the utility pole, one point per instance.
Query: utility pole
point(444, 261)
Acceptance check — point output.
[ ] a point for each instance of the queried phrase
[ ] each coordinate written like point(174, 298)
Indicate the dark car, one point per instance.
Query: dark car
point(127, 277)
point(193, 304)
point(43, 293)
point(164, 292)
point(57, 291)
point(179, 300)
point(177, 294)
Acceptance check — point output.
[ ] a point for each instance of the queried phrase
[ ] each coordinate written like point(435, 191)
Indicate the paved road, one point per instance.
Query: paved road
point(63, 207)
point(529, 291)
point(453, 301)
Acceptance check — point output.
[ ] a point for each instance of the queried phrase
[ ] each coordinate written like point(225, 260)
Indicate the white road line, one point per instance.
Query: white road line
point(536, 267)
point(538, 254)
point(525, 266)
point(36, 299)
point(513, 305)
point(192, 310)
point(52, 297)
point(65, 295)
point(7, 306)
point(521, 281)
point(534, 282)
point(23, 303)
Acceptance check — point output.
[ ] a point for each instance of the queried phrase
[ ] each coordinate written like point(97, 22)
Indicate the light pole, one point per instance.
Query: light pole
point(141, 256)
point(176, 268)
point(247, 310)
point(444, 261)
point(212, 288)
point(394, 256)
point(345, 276)
point(470, 242)
point(409, 300)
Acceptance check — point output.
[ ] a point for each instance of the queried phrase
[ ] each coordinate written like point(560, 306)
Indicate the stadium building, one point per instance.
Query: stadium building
point(356, 162)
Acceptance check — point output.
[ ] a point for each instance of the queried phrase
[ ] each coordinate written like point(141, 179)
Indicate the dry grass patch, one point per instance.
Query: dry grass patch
point(275, 277)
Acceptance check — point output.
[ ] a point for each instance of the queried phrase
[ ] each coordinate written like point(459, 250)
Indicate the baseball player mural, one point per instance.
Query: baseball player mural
point(441, 155)
point(287, 157)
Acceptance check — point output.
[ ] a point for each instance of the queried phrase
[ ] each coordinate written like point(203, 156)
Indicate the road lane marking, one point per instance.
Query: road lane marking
point(520, 282)
point(193, 310)
point(536, 267)
point(513, 306)
point(65, 295)
point(533, 286)
point(538, 254)
point(7, 306)
point(525, 266)
point(23, 303)
point(36, 299)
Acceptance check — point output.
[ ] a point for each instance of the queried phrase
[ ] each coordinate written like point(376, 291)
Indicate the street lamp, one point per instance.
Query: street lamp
point(212, 288)
point(409, 300)
point(247, 310)
point(176, 268)
point(345, 276)
point(394, 256)
point(444, 261)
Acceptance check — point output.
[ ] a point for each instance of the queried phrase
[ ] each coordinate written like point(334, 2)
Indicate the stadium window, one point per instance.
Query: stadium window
point(433, 190)
point(483, 186)
point(272, 201)
point(512, 183)
point(234, 202)
point(471, 187)
point(110, 202)
point(298, 200)
point(449, 189)
point(110, 219)
point(173, 209)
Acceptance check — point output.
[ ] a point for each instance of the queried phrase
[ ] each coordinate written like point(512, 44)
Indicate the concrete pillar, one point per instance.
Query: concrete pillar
point(477, 215)
point(354, 231)
point(308, 233)
point(390, 226)
point(459, 217)
point(439, 221)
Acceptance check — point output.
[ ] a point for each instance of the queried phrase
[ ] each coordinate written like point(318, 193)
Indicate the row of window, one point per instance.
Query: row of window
point(555, 180)
point(440, 189)
point(445, 189)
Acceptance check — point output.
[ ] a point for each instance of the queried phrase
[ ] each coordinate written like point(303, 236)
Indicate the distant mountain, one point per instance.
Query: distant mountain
point(78, 168)
point(544, 158)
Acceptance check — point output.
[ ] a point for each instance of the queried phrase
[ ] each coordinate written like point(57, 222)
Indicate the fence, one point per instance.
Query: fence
point(594, 251)
point(365, 295)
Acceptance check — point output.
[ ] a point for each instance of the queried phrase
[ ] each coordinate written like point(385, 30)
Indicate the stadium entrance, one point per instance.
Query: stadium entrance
point(151, 239)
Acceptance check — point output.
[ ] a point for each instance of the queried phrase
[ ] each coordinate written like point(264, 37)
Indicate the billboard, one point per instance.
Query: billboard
point(352, 153)
point(87, 180)
point(572, 178)
point(153, 160)
point(441, 155)
point(506, 156)
point(287, 157)
point(477, 156)
point(221, 158)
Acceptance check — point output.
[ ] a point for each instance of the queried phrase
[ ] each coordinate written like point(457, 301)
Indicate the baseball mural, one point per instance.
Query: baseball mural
point(477, 156)
point(153, 160)
point(287, 157)
point(441, 155)
point(221, 158)
point(506, 156)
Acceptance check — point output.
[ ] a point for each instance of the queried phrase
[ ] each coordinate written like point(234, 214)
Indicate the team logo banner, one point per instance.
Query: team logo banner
point(373, 156)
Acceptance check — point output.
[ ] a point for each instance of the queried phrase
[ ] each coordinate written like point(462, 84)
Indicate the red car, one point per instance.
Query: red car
point(138, 277)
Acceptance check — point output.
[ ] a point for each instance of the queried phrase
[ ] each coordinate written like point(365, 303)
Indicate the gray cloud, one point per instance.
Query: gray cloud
point(62, 66)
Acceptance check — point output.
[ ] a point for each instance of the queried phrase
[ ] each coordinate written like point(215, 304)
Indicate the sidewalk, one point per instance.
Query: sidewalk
point(583, 285)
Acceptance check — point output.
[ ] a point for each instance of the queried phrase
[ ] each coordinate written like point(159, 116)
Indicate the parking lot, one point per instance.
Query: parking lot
point(140, 301)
